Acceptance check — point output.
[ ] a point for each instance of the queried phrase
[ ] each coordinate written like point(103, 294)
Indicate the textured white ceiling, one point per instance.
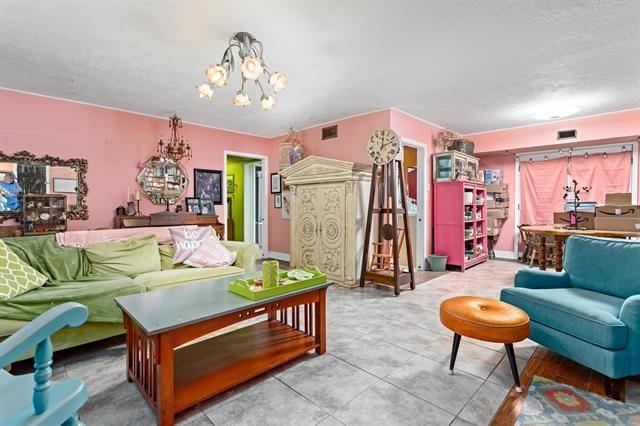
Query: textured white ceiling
point(468, 65)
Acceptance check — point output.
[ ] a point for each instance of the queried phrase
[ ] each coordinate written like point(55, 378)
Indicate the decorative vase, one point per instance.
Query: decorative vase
point(270, 273)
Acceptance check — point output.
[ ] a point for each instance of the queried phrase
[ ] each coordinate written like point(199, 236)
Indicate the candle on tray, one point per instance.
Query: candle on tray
point(270, 273)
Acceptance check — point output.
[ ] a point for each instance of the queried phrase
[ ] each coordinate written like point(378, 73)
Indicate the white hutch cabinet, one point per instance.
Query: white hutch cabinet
point(328, 215)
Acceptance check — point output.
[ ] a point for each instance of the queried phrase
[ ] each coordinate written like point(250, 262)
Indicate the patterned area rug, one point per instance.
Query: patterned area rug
point(549, 402)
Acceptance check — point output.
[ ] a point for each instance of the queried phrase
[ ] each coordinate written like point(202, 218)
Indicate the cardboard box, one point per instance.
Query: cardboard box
point(493, 222)
point(586, 220)
point(491, 204)
point(498, 187)
point(618, 211)
point(618, 198)
point(502, 205)
point(493, 232)
point(618, 223)
point(498, 213)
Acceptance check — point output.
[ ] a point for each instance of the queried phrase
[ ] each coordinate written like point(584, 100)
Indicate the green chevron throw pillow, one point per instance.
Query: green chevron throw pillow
point(16, 276)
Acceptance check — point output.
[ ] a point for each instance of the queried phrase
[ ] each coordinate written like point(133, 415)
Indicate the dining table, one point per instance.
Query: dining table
point(560, 232)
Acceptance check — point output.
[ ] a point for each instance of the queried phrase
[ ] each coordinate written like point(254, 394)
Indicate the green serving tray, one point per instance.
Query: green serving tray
point(237, 286)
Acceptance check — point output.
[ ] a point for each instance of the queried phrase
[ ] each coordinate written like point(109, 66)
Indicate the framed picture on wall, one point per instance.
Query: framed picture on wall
point(192, 205)
point(276, 183)
point(208, 184)
point(286, 205)
point(207, 207)
point(277, 201)
point(67, 186)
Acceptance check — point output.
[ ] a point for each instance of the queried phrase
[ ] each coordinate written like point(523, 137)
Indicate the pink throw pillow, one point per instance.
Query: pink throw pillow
point(187, 241)
point(211, 254)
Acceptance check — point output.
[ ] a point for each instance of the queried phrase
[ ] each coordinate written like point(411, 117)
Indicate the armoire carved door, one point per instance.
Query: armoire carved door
point(320, 227)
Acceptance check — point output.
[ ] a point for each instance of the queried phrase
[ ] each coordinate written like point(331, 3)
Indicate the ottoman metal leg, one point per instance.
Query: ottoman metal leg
point(514, 368)
point(454, 351)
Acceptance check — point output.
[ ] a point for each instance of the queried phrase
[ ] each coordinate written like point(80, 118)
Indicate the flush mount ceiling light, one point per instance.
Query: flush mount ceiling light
point(253, 68)
point(554, 112)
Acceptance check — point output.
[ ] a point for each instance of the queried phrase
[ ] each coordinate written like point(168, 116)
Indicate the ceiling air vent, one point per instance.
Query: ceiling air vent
point(330, 132)
point(567, 134)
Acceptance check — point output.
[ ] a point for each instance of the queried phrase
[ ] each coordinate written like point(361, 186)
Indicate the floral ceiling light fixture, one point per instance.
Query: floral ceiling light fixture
point(253, 68)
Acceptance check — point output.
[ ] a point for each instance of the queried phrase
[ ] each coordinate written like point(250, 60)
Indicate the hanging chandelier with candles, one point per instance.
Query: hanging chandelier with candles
point(176, 149)
point(253, 68)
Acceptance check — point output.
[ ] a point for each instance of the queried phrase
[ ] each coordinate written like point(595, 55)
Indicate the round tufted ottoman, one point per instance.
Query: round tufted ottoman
point(488, 320)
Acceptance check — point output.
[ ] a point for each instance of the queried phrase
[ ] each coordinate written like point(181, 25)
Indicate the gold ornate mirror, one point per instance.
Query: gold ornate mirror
point(163, 180)
point(25, 174)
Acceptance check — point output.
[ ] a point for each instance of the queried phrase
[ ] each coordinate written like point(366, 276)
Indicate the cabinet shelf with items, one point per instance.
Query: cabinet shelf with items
point(44, 214)
point(454, 165)
point(459, 221)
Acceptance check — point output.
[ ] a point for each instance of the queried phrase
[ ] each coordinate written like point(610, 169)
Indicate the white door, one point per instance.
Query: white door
point(254, 202)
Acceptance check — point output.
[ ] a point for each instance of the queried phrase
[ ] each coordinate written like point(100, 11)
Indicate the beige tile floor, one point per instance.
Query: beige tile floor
point(386, 365)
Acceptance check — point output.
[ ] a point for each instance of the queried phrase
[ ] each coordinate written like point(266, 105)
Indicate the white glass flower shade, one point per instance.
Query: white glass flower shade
point(267, 102)
point(251, 68)
point(217, 75)
point(205, 90)
point(278, 81)
point(241, 99)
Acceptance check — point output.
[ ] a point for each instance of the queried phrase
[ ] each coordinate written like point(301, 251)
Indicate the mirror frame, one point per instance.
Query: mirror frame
point(80, 211)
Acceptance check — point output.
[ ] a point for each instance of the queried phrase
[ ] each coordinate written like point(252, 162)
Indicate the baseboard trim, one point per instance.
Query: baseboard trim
point(279, 256)
point(503, 254)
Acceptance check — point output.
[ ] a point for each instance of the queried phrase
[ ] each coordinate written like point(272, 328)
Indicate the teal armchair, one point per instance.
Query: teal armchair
point(33, 399)
point(589, 312)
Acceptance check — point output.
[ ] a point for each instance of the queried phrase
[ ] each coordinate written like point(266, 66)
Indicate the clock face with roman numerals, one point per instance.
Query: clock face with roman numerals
point(383, 146)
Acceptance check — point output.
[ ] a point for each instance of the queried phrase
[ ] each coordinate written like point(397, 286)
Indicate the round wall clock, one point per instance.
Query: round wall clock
point(383, 146)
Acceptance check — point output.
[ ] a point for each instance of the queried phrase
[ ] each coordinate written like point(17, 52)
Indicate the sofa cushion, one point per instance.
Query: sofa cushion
point(16, 276)
point(605, 265)
point(173, 277)
point(44, 254)
point(166, 258)
point(584, 314)
point(127, 257)
point(95, 292)
point(211, 254)
point(187, 241)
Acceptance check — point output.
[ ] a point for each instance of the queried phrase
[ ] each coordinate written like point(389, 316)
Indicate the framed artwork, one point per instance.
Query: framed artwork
point(207, 207)
point(66, 186)
point(286, 205)
point(276, 183)
point(192, 205)
point(277, 201)
point(231, 184)
point(208, 184)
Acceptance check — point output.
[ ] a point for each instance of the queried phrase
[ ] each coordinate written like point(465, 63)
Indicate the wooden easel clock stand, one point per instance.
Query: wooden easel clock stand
point(384, 178)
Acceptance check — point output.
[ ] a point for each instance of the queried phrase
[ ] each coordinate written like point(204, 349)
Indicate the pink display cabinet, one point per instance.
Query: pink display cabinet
point(460, 222)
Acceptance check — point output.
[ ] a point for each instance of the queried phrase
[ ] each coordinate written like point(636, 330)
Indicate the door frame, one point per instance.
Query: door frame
point(265, 203)
point(579, 150)
point(421, 191)
point(249, 202)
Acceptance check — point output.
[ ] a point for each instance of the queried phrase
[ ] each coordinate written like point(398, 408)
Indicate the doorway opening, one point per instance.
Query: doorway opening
point(413, 162)
point(245, 198)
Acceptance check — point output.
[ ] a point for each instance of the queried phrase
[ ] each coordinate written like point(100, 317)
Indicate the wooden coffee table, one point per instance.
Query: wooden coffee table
point(174, 374)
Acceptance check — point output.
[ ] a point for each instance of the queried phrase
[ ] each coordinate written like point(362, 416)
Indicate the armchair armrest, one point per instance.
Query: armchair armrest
point(247, 253)
point(536, 279)
point(69, 314)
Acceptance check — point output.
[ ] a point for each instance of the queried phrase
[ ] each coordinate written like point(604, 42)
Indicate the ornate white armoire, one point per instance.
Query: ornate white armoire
point(328, 215)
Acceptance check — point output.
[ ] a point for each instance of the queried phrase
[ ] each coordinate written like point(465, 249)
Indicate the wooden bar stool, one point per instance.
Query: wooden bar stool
point(487, 320)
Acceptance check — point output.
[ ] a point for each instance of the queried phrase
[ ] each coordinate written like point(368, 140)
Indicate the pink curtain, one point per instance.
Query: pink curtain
point(541, 191)
point(604, 175)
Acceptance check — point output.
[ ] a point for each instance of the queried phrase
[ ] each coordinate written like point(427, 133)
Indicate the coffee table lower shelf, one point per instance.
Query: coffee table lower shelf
point(209, 367)
point(178, 367)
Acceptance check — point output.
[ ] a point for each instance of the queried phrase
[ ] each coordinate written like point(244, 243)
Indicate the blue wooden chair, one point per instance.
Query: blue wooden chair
point(33, 399)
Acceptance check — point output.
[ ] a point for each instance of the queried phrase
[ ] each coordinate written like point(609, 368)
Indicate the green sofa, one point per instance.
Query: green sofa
point(70, 279)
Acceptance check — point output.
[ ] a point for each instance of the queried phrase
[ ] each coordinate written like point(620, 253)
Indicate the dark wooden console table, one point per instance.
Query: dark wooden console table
point(170, 219)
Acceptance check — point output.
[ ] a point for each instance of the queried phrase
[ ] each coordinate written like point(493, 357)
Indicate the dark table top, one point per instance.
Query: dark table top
point(163, 310)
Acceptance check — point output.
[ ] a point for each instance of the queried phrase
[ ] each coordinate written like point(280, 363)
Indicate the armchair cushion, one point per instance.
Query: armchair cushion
point(584, 314)
point(605, 265)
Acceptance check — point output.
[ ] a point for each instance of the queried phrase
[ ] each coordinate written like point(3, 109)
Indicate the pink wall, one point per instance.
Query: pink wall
point(541, 137)
point(350, 145)
point(615, 124)
point(113, 142)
